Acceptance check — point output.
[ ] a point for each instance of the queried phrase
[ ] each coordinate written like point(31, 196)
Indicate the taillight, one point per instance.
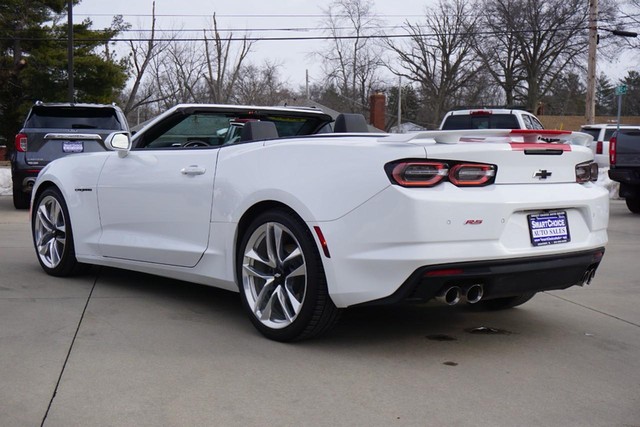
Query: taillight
point(471, 174)
point(428, 173)
point(612, 150)
point(587, 171)
point(21, 142)
point(599, 147)
point(419, 174)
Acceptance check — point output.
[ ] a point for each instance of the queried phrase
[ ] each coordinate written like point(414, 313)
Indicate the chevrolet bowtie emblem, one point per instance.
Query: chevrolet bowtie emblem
point(542, 174)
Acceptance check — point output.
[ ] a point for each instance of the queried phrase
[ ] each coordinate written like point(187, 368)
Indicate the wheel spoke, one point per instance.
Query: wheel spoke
point(255, 256)
point(289, 301)
point(52, 250)
point(263, 295)
point(292, 256)
point(301, 270)
point(266, 313)
point(255, 273)
point(270, 243)
point(44, 219)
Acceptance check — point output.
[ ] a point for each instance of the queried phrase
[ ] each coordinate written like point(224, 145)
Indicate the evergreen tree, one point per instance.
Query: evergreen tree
point(631, 101)
point(605, 98)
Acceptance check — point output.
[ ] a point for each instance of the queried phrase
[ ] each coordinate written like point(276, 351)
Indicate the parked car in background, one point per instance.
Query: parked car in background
point(601, 134)
point(54, 130)
point(490, 119)
point(624, 160)
point(304, 224)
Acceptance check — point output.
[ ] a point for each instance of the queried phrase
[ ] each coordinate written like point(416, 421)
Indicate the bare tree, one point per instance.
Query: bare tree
point(551, 37)
point(439, 56)
point(177, 74)
point(500, 51)
point(223, 65)
point(140, 57)
point(260, 85)
point(352, 60)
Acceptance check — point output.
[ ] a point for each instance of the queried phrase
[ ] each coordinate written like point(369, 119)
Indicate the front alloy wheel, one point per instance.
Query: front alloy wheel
point(282, 280)
point(52, 235)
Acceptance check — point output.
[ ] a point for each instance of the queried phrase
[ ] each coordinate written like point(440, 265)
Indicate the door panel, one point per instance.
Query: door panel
point(155, 205)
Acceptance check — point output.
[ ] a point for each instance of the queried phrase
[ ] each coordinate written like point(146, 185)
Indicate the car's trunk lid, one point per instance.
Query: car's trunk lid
point(520, 157)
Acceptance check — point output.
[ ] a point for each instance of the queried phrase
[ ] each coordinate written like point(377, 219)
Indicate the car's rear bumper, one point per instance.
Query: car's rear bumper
point(499, 278)
point(24, 179)
point(398, 233)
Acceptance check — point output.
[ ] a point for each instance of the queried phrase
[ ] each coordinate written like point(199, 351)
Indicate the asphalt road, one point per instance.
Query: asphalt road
point(115, 348)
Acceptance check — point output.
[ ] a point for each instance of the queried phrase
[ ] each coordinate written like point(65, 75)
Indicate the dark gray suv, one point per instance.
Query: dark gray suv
point(55, 130)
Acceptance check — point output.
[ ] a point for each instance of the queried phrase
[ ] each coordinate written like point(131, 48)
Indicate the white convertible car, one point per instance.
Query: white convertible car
point(305, 218)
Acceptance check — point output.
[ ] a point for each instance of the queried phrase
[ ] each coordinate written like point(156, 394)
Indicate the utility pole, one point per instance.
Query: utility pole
point(307, 84)
point(70, 48)
point(590, 107)
point(399, 104)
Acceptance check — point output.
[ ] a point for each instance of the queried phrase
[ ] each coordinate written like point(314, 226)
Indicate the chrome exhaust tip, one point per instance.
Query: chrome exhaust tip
point(474, 293)
point(450, 296)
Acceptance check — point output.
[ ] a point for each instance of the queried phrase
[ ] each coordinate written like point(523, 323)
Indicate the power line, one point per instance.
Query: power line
point(308, 38)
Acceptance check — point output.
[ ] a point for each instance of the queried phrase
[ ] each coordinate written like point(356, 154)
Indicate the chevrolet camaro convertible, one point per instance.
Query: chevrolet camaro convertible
point(305, 217)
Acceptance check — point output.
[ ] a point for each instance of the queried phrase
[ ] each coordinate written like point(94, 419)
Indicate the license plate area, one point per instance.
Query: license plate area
point(549, 228)
point(72, 146)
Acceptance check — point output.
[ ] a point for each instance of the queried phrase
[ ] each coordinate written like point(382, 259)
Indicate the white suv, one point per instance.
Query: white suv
point(601, 134)
point(490, 119)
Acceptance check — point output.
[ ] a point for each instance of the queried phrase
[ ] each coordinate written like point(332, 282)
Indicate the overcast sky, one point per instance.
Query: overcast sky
point(258, 15)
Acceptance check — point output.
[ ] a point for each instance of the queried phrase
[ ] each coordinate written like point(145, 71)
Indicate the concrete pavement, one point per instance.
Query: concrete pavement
point(115, 348)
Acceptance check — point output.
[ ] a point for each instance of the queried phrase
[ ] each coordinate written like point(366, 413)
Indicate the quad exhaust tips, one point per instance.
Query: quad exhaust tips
point(454, 294)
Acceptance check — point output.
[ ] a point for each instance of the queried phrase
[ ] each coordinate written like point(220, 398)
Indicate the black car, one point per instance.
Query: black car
point(54, 130)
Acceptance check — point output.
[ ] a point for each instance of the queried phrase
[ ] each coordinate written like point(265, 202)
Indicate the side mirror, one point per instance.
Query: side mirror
point(120, 142)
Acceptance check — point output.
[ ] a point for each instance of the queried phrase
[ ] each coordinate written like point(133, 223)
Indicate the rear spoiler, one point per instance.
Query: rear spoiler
point(69, 136)
point(491, 135)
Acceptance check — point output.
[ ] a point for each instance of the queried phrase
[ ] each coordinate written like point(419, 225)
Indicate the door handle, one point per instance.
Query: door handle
point(193, 170)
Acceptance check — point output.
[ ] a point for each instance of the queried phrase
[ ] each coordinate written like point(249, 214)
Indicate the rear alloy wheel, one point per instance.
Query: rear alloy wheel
point(283, 285)
point(52, 236)
point(633, 204)
point(505, 303)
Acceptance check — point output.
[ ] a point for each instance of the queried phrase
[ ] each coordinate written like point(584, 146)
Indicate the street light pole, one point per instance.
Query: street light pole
point(590, 107)
point(70, 48)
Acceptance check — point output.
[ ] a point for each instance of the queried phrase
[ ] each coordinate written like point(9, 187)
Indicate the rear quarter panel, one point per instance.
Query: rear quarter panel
point(320, 178)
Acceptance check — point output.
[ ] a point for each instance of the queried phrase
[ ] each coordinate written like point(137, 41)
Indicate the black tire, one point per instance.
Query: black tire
point(52, 234)
point(21, 200)
point(633, 204)
point(505, 303)
point(293, 303)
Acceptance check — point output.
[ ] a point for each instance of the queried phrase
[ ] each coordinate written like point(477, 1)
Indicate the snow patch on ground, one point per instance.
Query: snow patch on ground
point(5, 181)
point(603, 180)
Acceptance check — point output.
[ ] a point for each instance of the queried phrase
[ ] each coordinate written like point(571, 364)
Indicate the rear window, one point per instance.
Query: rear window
point(629, 134)
point(484, 121)
point(595, 133)
point(73, 118)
